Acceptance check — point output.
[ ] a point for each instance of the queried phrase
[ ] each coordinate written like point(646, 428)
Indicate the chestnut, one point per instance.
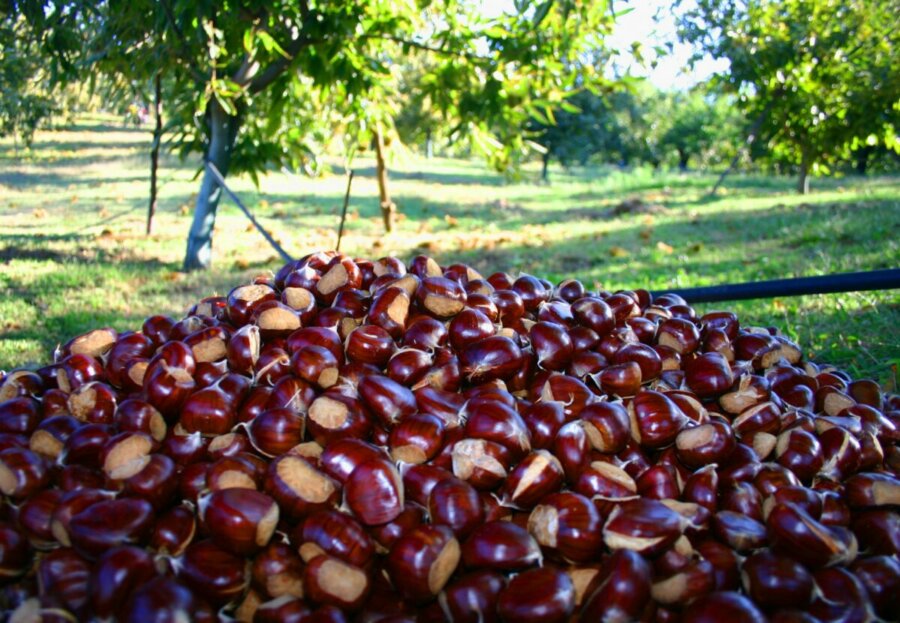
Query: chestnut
point(331, 581)
point(455, 503)
point(723, 606)
point(239, 520)
point(422, 561)
point(374, 492)
point(643, 525)
point(569, 525)
point(298, 487)
point(336, 534)
point(501, 546)
point(622, 589)
point(110, 523)
point(544, 595)
point(473, 597)
point(213, 573)
point(495, 357)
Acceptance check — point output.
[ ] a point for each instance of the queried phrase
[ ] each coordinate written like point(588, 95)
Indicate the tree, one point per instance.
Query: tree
point(823, 77)
point(700, 125)
point(25, 101)
point(254, 83)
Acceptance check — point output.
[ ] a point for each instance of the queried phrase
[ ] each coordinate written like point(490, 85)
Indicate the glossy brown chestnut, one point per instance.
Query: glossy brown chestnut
point(333, 582)
point(298, 487)
point(646, 526)
point(723, 606)
point(239, 520)
point(568, 525)
point(336, 534)
point(374, 492)
point(456, 504)
point(622, 589)
point(501, 546)
point(421, 562)
point(492, 358)
point(110, 523)
point(545, 595)
point(22, 472)
point(214, 574)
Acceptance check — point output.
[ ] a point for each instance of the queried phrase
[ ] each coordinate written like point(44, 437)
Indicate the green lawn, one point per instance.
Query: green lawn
point(73, 253)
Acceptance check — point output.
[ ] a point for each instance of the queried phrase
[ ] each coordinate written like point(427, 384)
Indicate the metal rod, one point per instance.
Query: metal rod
point(221, 182)
point(886, 279)
point(344, 211)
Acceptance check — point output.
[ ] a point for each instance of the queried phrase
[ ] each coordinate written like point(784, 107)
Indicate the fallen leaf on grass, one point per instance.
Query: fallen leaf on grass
point(645, 234)
point(618, 252)
point(451, 220)
point(665, 248)
point(39, 213)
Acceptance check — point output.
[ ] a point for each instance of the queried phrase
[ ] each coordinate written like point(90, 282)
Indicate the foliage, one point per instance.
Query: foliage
point(702, 126)
point(258, 83)
point(644, 125)
point(24, 98)
point(823, 77)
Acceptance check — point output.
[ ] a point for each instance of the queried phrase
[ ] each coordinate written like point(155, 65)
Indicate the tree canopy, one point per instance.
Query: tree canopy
point(822, 78)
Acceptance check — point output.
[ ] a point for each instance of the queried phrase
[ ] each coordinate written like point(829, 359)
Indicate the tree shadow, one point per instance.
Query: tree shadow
point(487, 178)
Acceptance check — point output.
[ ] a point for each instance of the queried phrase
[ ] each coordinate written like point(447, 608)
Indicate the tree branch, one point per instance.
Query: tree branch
point(199, 76)
point(278, 66)
point(428, 48)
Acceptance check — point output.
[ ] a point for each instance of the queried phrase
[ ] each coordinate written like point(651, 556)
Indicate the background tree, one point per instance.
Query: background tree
point(822, 77)
point(26, 98)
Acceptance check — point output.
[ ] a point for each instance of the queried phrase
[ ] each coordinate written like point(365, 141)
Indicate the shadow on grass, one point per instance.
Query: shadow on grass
point(487, 178)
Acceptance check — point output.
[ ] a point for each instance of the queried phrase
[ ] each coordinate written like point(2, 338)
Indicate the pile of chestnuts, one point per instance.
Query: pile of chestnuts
point(354, 440)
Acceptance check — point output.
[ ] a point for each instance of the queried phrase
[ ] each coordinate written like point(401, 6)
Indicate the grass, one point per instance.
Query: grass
point(73, 254)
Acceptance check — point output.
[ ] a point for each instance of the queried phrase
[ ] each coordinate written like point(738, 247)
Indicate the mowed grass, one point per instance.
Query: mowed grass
point(74, 255)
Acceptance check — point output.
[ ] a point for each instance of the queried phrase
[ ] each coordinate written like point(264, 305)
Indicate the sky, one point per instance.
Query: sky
point(672, 71)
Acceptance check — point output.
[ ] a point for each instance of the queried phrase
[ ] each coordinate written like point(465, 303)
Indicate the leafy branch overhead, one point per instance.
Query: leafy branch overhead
point(254, 84)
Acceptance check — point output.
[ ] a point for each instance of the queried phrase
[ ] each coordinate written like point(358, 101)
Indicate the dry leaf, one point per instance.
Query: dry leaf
point(665, 248)
point(618, 252)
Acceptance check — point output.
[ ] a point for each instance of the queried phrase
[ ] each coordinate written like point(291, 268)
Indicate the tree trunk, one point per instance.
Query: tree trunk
point(683, 157)
point(388, 209)
point(803, 179)
point(429, 145)
point(545, 166)
point(154, 151)
point(862, 159)
point(223, 131)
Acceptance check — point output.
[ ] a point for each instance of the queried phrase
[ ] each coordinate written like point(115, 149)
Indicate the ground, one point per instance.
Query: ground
point(73, 253)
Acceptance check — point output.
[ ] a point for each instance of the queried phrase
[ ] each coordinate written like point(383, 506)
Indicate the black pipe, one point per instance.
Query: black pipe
point(886, 279)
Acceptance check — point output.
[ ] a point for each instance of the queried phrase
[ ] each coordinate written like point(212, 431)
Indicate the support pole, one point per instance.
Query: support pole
point(344, 210)
point(221, 182)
